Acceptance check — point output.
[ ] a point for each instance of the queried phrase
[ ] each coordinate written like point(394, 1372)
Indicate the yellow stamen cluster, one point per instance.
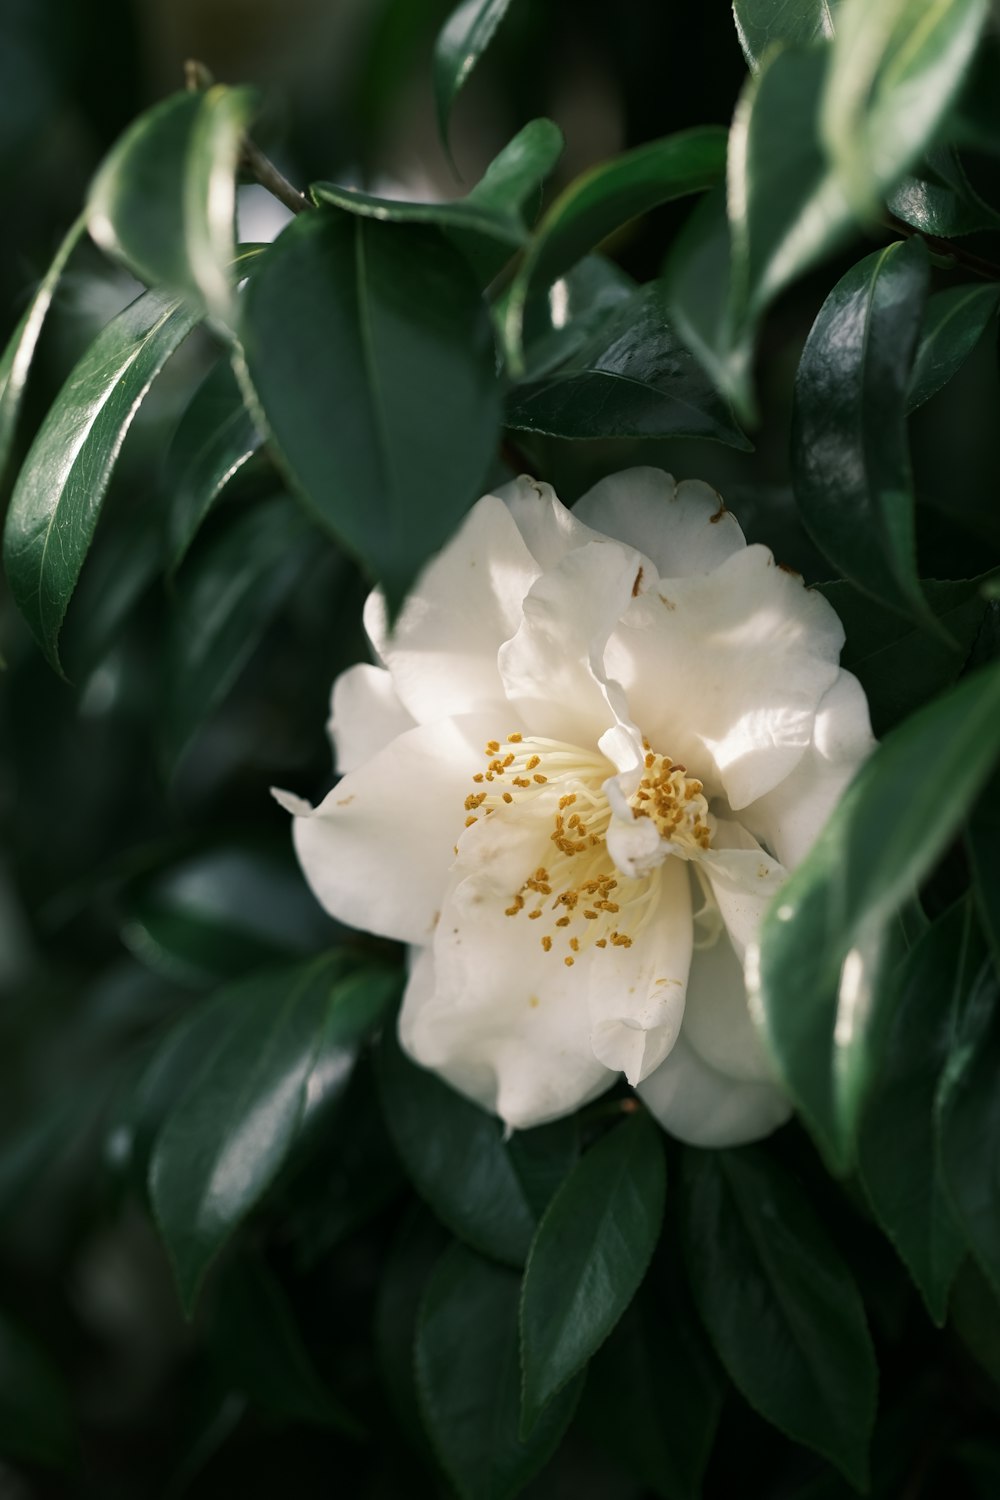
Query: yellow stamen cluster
point(579, 894)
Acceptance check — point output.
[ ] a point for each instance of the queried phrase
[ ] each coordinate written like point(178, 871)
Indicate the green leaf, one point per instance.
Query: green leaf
point(228, 1134)
point(968, 1124)
point(214, 438)
point(36, 1416)
point(370, 353)
point(15, 362)
point(896, 66)
point(982, 839)
point(588, 1258)
point(822, 934)
point(164, 201)
point(654, 1392)
point(953, 325)
point(761, 24)
point(698, 296)
point(455, 1157)
point(543, 1158)
point(601, 201)
point(461, 42)
point(900, 666)
point(223, 601)
point(487, 225)
point(974, 1314)
point(412, 1258)
point(779, 1304)
point(260, 1352)
point(633, 378)
point(938, 198)
point(896, 1142)
point(62, 484)
point(577, 306)
point(849, 449)
point(469, 1382)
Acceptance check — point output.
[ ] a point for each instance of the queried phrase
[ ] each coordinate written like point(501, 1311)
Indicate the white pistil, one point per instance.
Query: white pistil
point(579, 894)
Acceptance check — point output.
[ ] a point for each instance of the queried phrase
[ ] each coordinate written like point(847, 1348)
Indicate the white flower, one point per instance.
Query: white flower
point(597, 742)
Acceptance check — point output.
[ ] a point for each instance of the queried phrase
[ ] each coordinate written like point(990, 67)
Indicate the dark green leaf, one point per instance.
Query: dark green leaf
point(261, 1354)
point(849, 448)
point(214, 438)
point(164, 200)
point(15, 362)
point(823, 934)
point(633, 378)
point(899, 666)
point(601, 201)
point(974, 1313)
point(62, 484)
point(487, 225)
point(463, 39)
point(761, 24)
point(411, 1260)
point(953, 325)
point(543, 1158)
point(230, 1131)
point(224, 600)
point(896, 66)
point(982, 837)
point(654, 1392)
point(588, 1258)
point(36, 1415)
point(469, 1382)
point(370, 353)
point(578, 304)
point(697, 292)
point(896, 1143)
point(968, 1121)
point(779, 1304)
point(455, 1156)
point(937, 198)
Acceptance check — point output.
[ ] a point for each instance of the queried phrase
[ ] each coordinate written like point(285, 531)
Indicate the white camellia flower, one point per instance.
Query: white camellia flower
point(596, 742)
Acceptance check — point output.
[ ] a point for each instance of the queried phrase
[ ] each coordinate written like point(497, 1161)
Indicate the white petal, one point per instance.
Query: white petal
point(636, 994)
point(790, 817)
point(553, 667)
point(704, 1107)
point(548, 528)
point(442, 653)
point(365, 715)
point(504, 1022)
point(744, 879)
point(725, 671)
point(717, 1020)
point(683, 528)
point(378, 849)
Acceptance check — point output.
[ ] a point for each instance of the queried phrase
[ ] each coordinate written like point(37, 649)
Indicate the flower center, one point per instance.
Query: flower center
point(579, 897)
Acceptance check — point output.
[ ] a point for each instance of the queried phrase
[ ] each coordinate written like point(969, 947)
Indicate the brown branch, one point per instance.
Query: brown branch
point(197, 78)
point(962, 257)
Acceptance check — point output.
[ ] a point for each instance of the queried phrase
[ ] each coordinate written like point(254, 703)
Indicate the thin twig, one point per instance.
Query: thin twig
point(974, 263)
point(197, 79)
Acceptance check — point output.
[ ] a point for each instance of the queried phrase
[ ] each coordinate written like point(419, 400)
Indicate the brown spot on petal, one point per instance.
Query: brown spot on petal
point(667, 603)
point(637, 585)
point(345, 801)
point(793, 571)
point(720, 512)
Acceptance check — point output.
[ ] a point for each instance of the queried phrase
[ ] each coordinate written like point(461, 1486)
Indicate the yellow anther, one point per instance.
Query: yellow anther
point(535, 760)
point(536, 913)
point(514, 739)
point(563, 922)
point(540, 779)
point(547, 943)
point(568, 962)
point(507, 797)
point(575, 944)
point(469, 821)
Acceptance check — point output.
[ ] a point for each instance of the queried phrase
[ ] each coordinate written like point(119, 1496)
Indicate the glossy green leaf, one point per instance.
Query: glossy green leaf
point(822, 934)
point(37, 1422)
point(982, 839)
point(938, 198)
point(968, 1123)
point(899, 665)
point(896, 1145)
point(260, 1351)
point(15, 362)
point(654, 1392)
point(698, 296)
point(455, 1156)
point(849, 448)
point(601, 201)
point(469, 1382)
point(896, 66)
point(407, 1270)
point(228, 1134)
point(577, 306)
point(223, 601)
point(543, 1158)
point(633, 378)
point(63, 481)
point(164, 200)
point(461, 42)
point(953, 325)
point(214, 438)
point(779, 1304)
point(487, 225)
point(761, 24)
point(370, 354)
point(588, 1258)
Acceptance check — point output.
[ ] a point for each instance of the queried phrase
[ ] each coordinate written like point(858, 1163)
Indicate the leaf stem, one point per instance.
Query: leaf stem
point(197, 78)
point(974, 263)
